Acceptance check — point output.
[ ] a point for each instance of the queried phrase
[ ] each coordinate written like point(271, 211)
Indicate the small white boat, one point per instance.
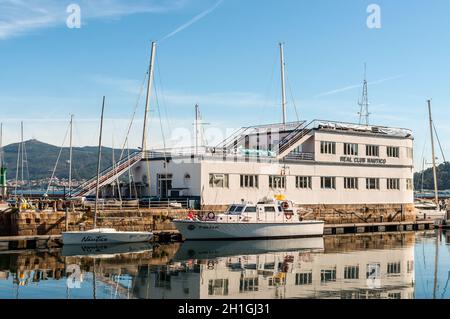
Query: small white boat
point(104, 236)
point(429, 211)
point(276, 219)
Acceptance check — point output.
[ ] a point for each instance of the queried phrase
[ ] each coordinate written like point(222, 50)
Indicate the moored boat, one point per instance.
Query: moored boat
point(276, 219)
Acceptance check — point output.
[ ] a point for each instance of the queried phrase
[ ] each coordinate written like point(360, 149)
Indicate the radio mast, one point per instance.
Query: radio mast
point(364, 102)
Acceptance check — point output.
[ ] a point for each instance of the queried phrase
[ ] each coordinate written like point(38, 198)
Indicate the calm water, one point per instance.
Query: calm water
point(372, 266)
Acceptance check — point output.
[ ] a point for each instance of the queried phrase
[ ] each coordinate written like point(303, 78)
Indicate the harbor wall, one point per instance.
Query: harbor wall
point(50, 222)
point(28, 223)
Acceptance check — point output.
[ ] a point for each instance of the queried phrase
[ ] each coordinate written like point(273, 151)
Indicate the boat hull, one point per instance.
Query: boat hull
point(210, 249)
point(199, 230)
point(89, 237)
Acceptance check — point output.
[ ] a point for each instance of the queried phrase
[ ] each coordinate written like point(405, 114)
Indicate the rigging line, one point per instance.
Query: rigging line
point(27, 169)
point(164, 104)
point(439, 142)
point(292, 96)
point(268, 87)
point(163, 140)
point(17, 168)
point(57, 159)
point(133, 116)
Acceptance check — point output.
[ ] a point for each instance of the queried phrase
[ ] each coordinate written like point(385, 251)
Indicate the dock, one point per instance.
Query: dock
point(166, 236)
point(359, 228)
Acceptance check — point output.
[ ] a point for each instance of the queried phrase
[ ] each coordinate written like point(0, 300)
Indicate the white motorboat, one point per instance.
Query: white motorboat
point(276, 219)
point(429, 211)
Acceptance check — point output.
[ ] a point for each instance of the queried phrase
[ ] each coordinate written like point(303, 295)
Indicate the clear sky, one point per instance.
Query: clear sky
point(224, 56)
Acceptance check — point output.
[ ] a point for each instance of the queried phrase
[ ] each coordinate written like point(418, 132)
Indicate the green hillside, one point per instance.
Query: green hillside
point(42, 158)
point(443, 176)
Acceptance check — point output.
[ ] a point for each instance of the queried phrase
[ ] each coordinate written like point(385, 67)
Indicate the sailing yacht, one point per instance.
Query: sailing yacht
point(430, 210)
point(103, 235)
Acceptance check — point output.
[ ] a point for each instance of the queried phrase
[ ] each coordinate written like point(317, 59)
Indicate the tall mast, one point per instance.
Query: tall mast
point(149, 94)
point(21, 156)
point(196, 128)
point(436, 197)
point(98, 163)
point(283, 83)
point(364, 103)
point(70, 155)
point(1, 145)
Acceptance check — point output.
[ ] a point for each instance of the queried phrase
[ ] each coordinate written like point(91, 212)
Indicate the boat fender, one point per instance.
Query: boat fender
point(211, 215)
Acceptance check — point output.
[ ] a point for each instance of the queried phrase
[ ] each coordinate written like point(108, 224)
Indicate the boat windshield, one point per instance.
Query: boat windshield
point(232, 208)
point(238, 210)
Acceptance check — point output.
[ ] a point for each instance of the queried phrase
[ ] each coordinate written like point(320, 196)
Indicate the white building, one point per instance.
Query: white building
point(320, 162)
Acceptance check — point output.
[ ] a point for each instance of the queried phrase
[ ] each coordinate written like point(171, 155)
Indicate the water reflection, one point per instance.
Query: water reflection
point(369, 266)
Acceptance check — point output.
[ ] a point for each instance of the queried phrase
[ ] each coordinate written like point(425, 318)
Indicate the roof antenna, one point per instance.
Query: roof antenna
point(364, 102)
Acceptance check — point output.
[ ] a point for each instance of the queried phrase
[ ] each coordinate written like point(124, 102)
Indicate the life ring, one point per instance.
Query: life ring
point(285, 205)
point(211, 215)
point(288, 215)
point(191, 214)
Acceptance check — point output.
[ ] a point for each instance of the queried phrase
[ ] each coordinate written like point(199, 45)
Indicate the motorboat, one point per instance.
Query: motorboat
point(266, 219)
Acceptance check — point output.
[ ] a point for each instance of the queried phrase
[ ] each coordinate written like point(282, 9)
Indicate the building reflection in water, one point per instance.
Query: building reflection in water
point(356, 266)
point(379, 266)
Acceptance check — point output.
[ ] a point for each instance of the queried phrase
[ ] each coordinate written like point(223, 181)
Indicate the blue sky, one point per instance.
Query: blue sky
point(225, 59)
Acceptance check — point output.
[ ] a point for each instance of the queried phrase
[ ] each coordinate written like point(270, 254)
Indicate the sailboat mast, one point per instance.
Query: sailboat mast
point(197, 117)
point(21, 156)
point(283, 83)
point(70, 156)
point(98, 163)
point(436, 197)
point(149, 94)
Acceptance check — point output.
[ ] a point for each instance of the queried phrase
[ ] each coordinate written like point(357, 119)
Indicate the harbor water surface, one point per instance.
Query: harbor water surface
point(395, 266)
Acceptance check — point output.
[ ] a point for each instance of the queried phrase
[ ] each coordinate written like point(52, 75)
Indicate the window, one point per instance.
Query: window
point(351, 272)
point(248, 284)
point(327, 275)
point(303, 182)
point(393, 268)
point(304, 278)
point(410, 266)
point(372, 150)
point(409, 184)
point(328, 147)
point(328, 182)
point(350, 182)
point(277, 181)
point(393, 183)
point(409, 152)
point(250, 209)
point(249, 181)
point(218, 180)
point(393, 151)
point(269, 209)
point(372, 183)
point(350, 149)
point(218, 287)
point(394, 295)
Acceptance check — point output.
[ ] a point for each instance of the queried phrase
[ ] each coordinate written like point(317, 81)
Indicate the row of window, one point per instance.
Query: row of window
point(352, 272)
point(352, 149)
point(305, 182)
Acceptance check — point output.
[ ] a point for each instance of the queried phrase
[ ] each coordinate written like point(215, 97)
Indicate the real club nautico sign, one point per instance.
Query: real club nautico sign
point(363, 160)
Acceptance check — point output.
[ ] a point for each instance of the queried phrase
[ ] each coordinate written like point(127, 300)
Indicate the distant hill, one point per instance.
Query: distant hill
point(443, 176)
point(42, 158)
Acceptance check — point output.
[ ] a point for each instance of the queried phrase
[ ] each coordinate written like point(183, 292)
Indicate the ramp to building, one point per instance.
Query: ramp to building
point(108, 175)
